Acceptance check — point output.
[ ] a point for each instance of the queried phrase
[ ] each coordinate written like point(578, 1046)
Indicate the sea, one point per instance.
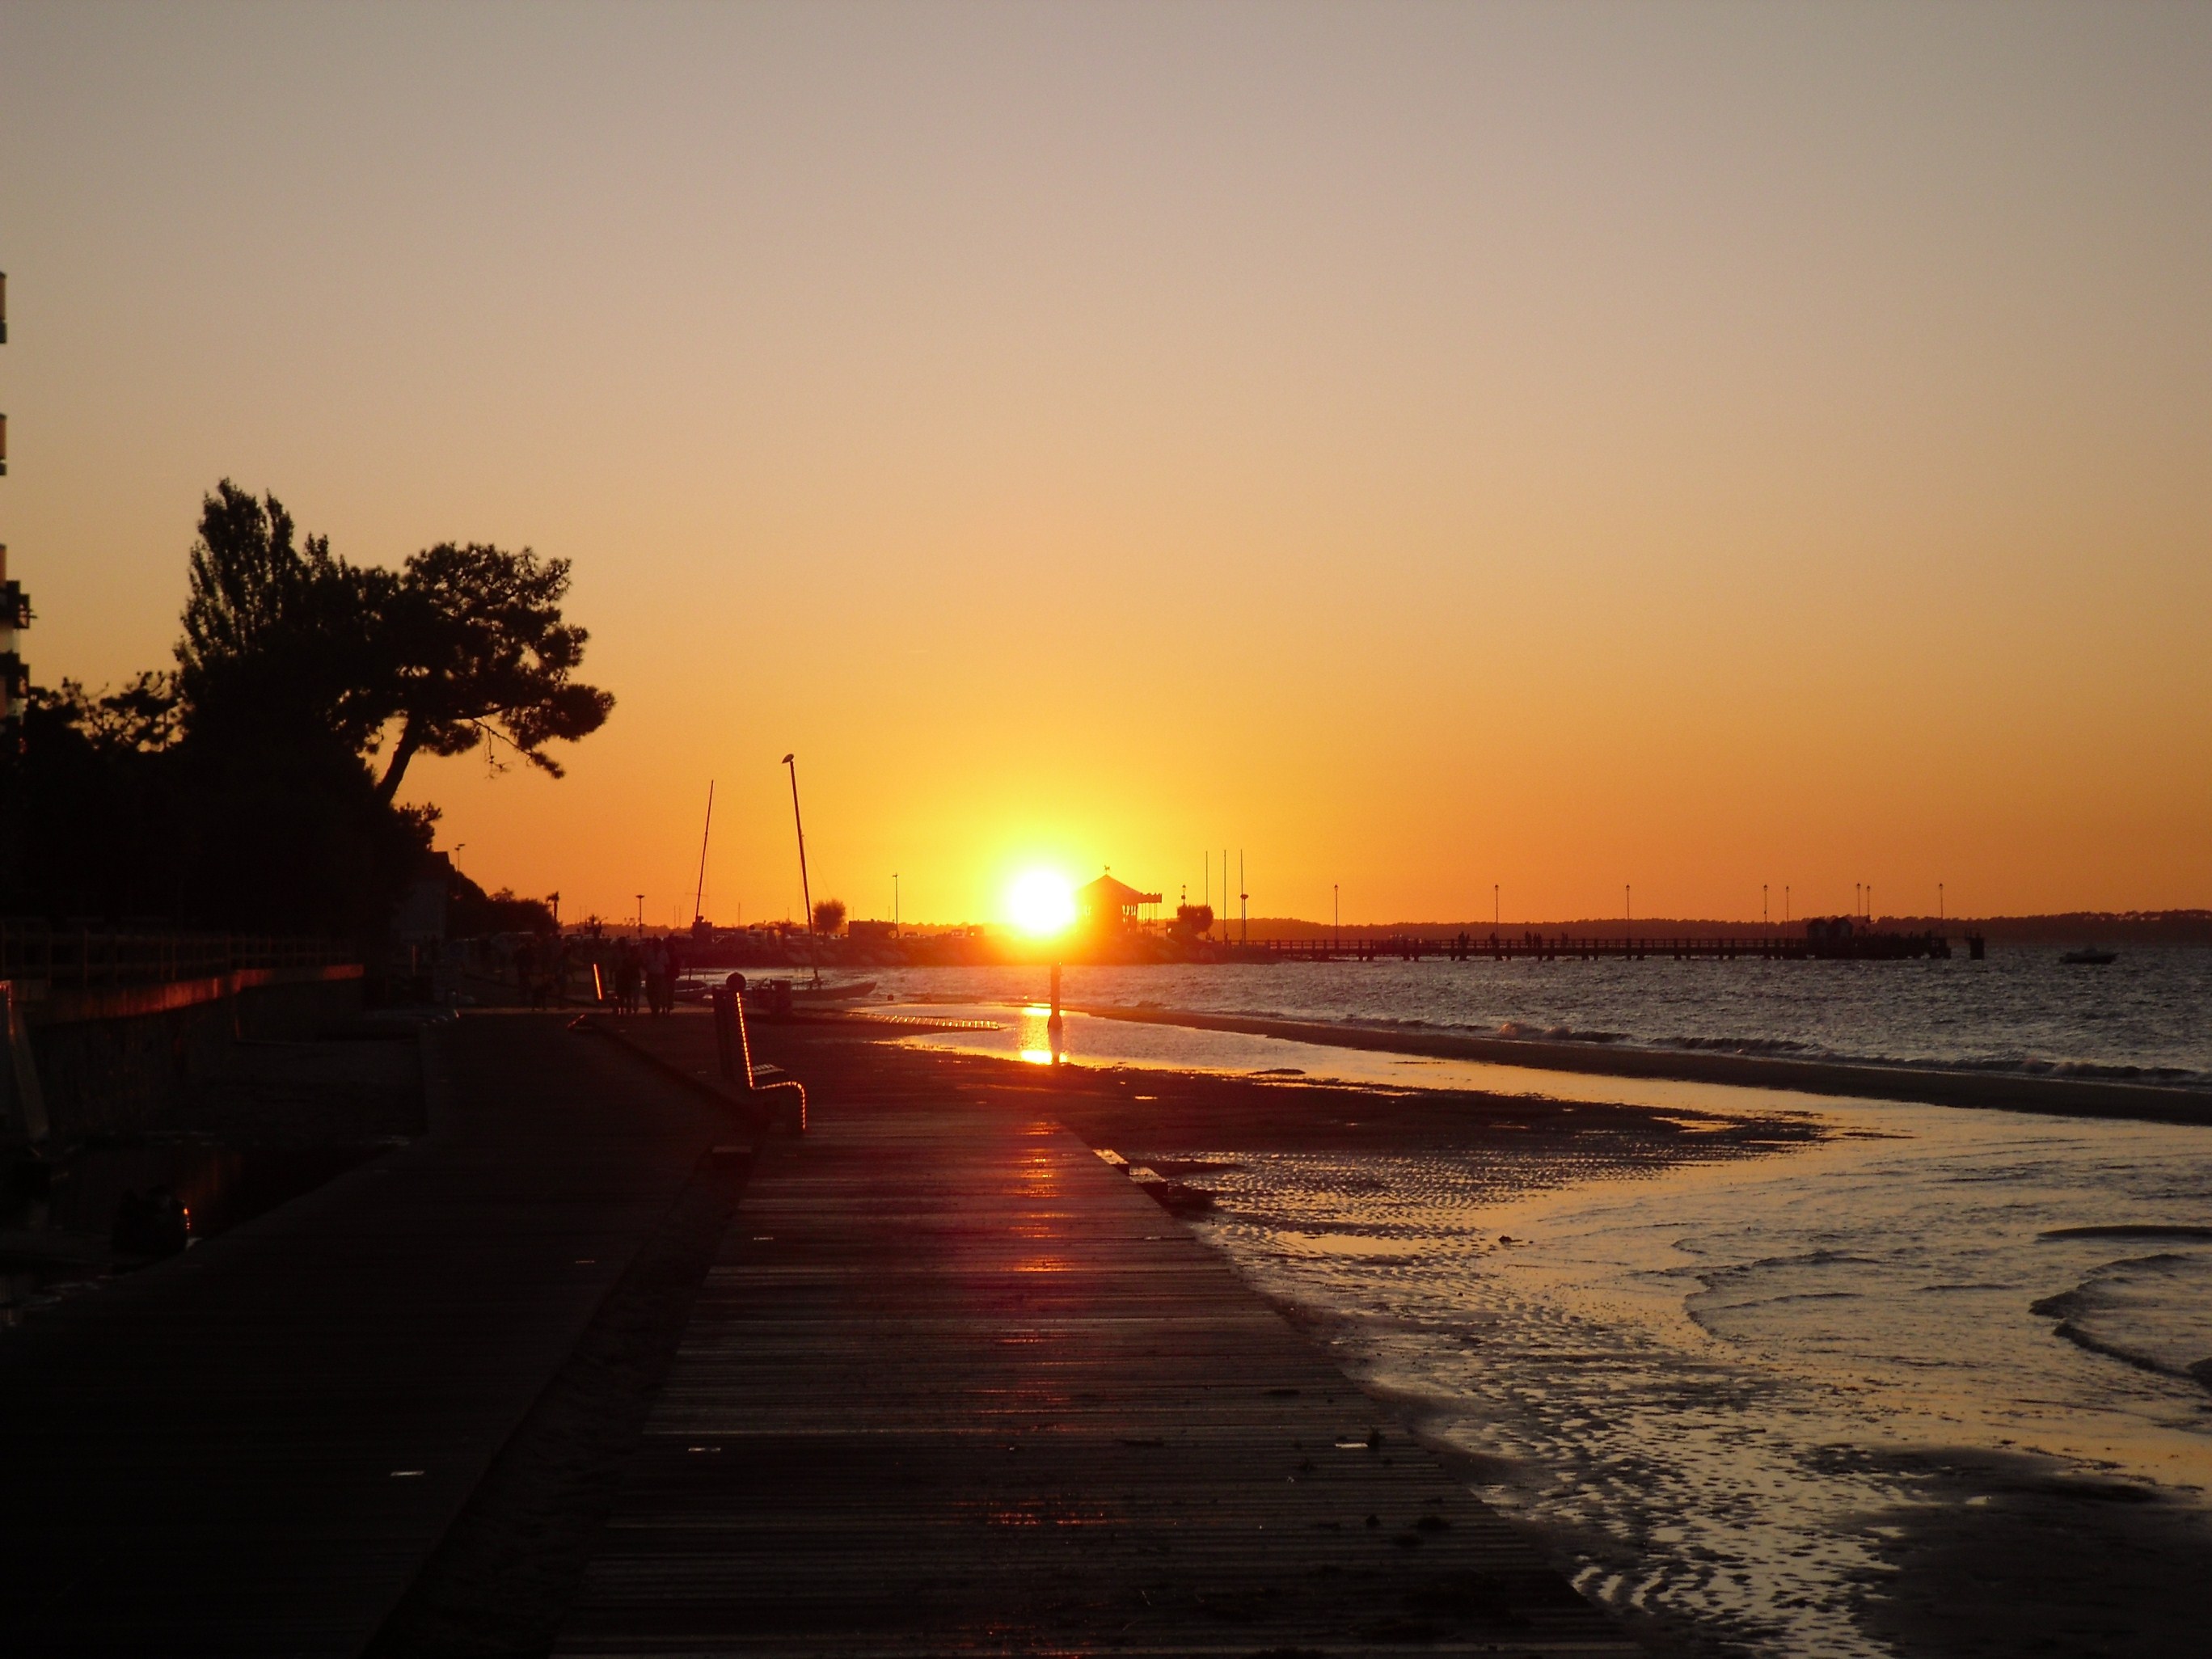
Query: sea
point(1731, 1394)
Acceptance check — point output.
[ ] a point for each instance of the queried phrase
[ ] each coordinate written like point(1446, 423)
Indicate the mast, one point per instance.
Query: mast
point(699, 895)
point(806, 893)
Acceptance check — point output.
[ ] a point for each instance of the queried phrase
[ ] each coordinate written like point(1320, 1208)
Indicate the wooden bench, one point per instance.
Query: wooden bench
point(765, 1085)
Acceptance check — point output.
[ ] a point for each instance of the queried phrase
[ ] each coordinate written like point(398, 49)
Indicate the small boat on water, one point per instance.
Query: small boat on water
point(859, 987)
point(699, 990)
point(2089, 956)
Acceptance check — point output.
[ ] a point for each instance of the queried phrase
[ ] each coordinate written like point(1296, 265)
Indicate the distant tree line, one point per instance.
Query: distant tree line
point(254, 785)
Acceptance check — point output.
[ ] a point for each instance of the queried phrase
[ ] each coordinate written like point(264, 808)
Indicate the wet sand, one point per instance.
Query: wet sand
point(1932, 1085)
point(1980, 1553)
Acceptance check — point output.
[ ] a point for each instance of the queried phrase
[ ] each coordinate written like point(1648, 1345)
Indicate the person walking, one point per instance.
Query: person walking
point(628, 971)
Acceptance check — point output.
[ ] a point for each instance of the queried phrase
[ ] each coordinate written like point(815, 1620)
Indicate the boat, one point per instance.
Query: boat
point(859, 987)
point(702, 990)
point(2089, 956)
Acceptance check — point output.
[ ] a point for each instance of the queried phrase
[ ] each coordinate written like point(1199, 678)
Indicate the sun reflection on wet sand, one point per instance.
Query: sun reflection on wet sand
point(1712, 1380)
point(1020, 1035)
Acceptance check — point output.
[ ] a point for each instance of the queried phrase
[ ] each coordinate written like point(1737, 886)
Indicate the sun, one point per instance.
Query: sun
point(1040, 903)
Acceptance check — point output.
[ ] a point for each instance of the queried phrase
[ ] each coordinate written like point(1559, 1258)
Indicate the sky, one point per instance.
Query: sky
point(1424, 448)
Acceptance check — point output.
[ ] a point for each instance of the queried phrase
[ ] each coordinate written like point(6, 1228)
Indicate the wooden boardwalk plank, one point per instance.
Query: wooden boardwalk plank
point(957, 1384)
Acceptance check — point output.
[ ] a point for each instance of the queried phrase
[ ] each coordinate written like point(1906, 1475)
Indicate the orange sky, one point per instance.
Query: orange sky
point(1423, 445)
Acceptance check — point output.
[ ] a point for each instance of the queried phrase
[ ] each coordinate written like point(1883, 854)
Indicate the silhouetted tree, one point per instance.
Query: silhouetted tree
point(236, 793)
point(283, 643)
point(94, 772)
point(479, 650)
point(470, 910)
point(829, 916)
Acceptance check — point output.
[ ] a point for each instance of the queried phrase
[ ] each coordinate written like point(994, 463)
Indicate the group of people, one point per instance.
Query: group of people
point(541, 969)
point(652, 969)
point(643, 971)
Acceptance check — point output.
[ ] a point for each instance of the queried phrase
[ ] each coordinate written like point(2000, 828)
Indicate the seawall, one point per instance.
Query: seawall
point(98, 1060)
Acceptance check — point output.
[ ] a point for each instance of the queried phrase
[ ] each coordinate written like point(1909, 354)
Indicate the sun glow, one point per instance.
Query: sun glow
point(1040, 903)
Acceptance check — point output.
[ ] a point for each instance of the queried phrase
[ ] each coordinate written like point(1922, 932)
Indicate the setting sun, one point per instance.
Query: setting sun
point(1041, 902)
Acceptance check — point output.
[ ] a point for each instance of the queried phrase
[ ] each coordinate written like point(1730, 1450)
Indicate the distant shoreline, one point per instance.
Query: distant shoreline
point(2062, 930)
point(1930, 1086)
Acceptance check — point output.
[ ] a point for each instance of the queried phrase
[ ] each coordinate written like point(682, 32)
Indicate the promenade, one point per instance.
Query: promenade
point(948, 1381)
point(954, 1384)
point(254, 1448)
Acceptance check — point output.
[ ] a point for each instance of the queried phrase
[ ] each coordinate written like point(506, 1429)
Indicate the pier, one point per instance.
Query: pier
point(1565, 947)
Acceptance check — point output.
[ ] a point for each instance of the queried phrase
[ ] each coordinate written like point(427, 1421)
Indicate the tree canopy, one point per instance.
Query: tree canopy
point(237, 791)
point(477, 650)
point(283, 642)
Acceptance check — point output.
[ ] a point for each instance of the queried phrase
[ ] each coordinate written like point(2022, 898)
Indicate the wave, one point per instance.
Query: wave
point(2153, 1312)
point(1519, 1032)
point(1794, 1049)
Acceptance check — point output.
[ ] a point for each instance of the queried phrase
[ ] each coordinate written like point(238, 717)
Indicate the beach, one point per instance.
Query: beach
point(1755, 1371)
point(1770, 1371)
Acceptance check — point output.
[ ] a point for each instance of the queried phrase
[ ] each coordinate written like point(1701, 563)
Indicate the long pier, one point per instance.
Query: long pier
point(1542, 947)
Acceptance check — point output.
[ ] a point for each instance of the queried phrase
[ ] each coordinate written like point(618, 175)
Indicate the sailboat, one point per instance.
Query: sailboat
point(814, 990)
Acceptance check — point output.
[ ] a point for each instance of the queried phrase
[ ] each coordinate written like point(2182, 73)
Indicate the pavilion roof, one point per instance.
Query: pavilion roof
point(1097, 895)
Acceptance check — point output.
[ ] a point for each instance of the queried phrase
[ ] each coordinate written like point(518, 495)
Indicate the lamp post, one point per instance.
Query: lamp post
point(895, 914)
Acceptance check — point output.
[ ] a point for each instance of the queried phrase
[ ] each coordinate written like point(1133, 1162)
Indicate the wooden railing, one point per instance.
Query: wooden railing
point(63, 955)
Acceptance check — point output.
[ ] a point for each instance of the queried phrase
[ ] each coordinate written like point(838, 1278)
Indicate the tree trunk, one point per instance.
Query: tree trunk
point(402, 752)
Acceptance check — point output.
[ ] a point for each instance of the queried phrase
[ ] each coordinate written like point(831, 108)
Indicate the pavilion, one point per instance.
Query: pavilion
point(1107, 906)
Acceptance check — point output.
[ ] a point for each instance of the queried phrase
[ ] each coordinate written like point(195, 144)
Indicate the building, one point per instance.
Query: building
point(1107, 906)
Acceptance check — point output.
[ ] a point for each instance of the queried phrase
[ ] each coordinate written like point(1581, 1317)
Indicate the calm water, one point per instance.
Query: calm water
point(2148, 1015)
point(1716, 1384)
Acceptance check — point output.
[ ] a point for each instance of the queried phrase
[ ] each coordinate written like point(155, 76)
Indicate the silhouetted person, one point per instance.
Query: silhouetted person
point(628, 972)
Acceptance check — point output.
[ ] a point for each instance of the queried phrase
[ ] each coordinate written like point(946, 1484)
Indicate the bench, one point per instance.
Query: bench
point(765, 1085)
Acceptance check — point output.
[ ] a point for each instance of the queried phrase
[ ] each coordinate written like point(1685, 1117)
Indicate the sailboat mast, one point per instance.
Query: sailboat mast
point(806, 893)
point(699, 897)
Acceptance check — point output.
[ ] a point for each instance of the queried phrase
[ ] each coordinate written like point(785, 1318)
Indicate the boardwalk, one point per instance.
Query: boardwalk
point(957, 1385)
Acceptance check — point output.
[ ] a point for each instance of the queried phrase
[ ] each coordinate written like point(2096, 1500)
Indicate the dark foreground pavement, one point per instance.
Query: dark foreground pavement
point(253, 1450)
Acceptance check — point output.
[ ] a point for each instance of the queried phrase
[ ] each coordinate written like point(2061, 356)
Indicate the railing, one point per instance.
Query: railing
point(63, 955)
